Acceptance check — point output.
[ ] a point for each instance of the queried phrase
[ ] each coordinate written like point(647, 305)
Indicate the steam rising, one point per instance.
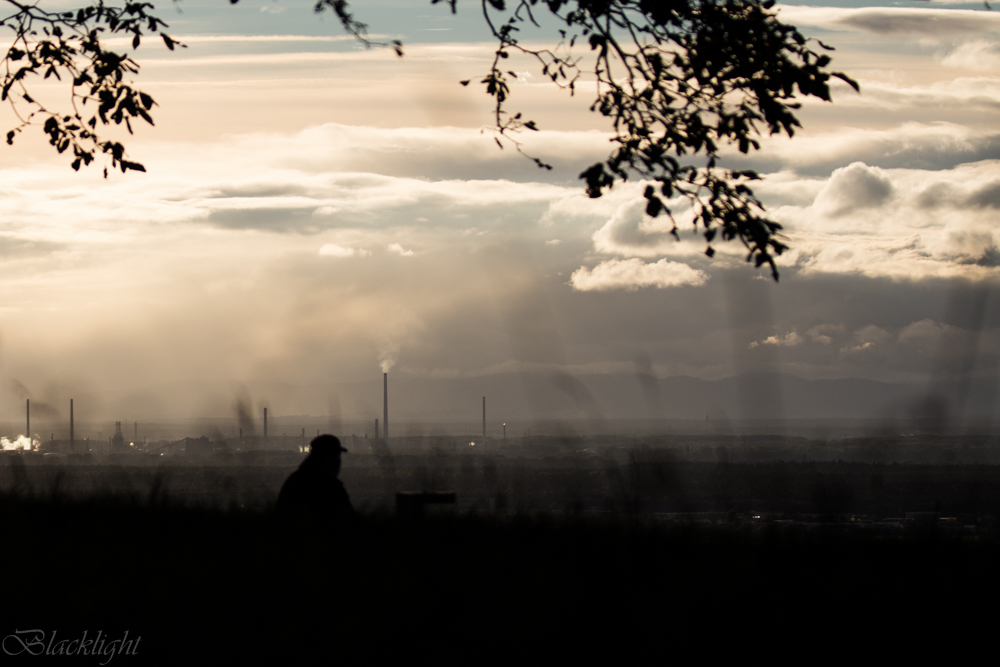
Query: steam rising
point(387, 356)
point(20, 444)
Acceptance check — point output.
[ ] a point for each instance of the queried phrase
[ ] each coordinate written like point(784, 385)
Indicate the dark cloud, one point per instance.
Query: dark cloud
point(936, 195)
point(282, 220)
point(987, 196)
point(889, 151)
point(17, 248)
point(257, 190)
point(990, 257)
point(916, 22)
point(407, 204)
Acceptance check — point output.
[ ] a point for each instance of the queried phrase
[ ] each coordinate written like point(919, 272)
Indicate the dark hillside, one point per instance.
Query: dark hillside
point(202, 586)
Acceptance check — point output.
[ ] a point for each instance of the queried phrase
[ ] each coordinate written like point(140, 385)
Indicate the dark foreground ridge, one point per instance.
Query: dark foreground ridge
point(199, 585)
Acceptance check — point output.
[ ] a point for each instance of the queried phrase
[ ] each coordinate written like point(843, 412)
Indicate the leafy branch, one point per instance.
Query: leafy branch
point(73, 45)
point(678, 79)
point(356, 28)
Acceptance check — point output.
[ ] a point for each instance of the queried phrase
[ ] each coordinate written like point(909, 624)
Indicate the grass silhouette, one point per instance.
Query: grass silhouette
point(203, 585)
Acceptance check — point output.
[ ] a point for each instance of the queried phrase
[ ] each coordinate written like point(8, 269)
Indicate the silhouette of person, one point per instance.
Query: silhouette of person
point(313, 493)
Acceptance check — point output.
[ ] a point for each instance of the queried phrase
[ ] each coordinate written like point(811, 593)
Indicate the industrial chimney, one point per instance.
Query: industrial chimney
point(484, 421)
point(72, 439)
point(265, 423)
point(385, 406)
point(27, 411)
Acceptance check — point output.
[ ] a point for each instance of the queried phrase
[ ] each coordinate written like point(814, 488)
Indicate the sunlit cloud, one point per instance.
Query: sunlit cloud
point(790, 339)
point(977, 55)
point(334, 250)
point(398, 249)
point(633, 274)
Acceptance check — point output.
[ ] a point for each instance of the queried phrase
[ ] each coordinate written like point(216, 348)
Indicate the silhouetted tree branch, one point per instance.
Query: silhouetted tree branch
point(679, 80)
point(73, 44)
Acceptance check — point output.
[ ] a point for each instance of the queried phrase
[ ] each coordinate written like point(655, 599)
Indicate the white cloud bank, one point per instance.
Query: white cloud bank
point(978, 55)
point(335, 250)
point(899, 223)
point(919, 21)
point(906, 224)
point(632, 274)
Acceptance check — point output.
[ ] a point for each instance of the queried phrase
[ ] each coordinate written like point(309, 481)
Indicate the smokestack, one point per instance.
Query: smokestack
point(484, 420)
point(376, 428)
point(135, 431)
point(72, 439)
point(265, 423)
point(27, 411)
point(385, 406)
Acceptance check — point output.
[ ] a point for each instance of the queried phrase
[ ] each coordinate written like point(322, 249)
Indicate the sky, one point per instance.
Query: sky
point(313, 211)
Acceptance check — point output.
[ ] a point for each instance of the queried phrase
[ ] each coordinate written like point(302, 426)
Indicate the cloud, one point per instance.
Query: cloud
point(631, 232)
point(977, 55)
point(923, 332)
point(261, 183)
point(823, 333)
point(790, 339)
point(909, 145)
point(553, 242)
point(632, 274)
point(922, 100)
point(903, 223)
point(854, 187)
point(229, 39)
point(275, 219)
point(930, 22)
point(399, 250)
point(431, 153)
point(986, 196)
point(334, 250)
point(868, 338)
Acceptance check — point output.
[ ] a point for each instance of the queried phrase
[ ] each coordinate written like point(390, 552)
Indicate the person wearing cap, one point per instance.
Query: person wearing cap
point(313, 493)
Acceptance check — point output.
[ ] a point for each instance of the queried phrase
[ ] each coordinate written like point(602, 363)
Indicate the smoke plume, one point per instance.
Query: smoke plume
point(387, 356)
point(243, 407)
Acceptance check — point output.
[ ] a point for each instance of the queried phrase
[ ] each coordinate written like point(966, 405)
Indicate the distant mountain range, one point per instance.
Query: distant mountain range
point(619, 396)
